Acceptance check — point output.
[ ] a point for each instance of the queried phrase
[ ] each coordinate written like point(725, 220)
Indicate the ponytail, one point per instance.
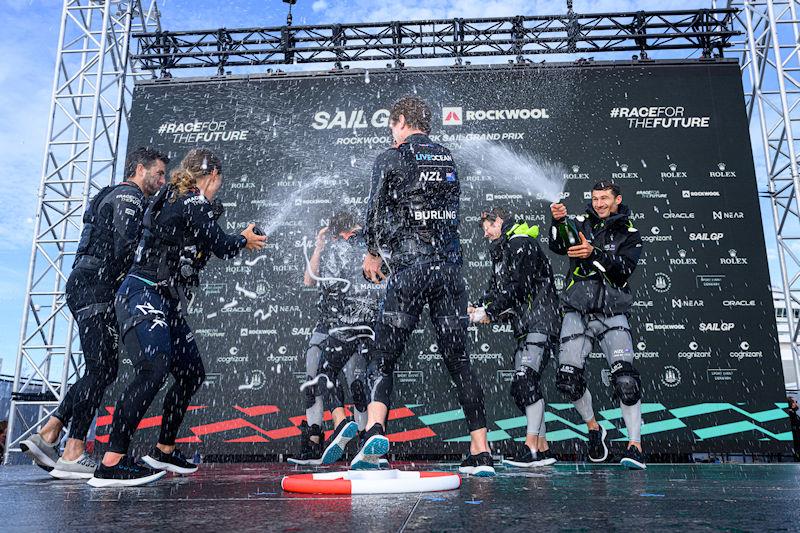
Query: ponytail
point(198, 162)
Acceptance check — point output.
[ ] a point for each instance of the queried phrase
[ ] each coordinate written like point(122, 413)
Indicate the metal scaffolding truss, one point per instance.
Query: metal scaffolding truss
point(770, 61)
point(706, 30)
point(91, 91)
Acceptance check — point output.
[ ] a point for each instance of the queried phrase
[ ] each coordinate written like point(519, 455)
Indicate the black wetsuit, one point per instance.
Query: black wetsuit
point(111, 228)
point(154, 330)
point(413, 212)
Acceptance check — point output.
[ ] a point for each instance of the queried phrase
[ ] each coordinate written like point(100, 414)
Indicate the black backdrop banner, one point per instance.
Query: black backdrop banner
point(297, 148)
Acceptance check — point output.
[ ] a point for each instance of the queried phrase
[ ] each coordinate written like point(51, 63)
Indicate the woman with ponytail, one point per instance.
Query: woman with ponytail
point(152, 321)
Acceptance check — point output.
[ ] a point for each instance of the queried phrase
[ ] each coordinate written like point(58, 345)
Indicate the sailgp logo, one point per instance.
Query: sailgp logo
point(452, 116)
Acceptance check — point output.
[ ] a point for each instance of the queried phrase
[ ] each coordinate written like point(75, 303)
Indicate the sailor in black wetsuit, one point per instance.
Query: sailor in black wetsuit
point(522, 294)
point(152, 325)
point(413, 211)
point(111, 229)
point(596, 302)
point(348, 306)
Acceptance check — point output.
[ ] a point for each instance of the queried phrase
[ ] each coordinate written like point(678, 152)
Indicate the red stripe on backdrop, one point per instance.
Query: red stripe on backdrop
point(402, 412)
point(251, 438)
point(394, 414)
point(225, 425)
point(258, 410)
point(283, 433)
point(192, 439)
point(413, 434)
point(105, 420)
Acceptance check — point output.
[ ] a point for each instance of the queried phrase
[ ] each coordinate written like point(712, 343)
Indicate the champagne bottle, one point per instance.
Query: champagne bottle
point(567, 233)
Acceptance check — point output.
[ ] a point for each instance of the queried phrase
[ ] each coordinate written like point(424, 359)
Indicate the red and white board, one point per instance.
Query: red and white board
point(371, 482)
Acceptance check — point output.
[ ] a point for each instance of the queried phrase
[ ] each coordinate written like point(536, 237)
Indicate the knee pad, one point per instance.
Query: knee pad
point(379, 378)
point(310, 394)
point(627, 383)
point(359, 392)
point(570, 381)
point(334, 398)
point(525, 388)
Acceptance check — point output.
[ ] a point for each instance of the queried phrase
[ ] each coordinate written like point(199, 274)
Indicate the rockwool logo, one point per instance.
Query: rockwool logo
point(699, 194)
point(452, 116)
point(494, 197)
point(652, 326)
point(456, 116)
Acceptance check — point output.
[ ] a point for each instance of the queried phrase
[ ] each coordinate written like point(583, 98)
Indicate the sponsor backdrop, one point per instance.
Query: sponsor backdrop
point(296, 149)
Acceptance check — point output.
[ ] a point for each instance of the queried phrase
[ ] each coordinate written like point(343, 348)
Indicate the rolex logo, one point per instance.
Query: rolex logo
point(623, 167)
point(732, 252)
point(721, 166)
point(682, 253)
point(673, 167)
point(576, 168)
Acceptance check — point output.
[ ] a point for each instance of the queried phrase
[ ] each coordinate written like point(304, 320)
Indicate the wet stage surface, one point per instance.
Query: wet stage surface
point(566, 497)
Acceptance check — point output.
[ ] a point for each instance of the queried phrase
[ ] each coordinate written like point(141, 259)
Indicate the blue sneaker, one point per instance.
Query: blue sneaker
point(346, 430)
point(375, 446)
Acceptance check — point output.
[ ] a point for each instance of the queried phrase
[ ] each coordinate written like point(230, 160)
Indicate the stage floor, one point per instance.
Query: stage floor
point(571, 497)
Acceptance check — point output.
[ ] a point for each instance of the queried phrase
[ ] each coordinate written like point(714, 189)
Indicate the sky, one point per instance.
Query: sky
point(28, 47)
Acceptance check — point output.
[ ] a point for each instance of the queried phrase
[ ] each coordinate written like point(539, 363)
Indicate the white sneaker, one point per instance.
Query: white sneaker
point(44, 453)
point(81, 468)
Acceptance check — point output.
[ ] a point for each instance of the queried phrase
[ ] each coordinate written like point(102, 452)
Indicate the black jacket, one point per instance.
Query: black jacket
point(347, 298)
point(173, 222)
point(599, 284)
point(522, 291)
point(112, 225)
point(413, 207)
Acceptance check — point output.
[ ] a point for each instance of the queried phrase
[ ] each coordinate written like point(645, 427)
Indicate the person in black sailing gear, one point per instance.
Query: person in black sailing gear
point(111, 229)
point(522, 294)
point(152, 324)
point(413, 211)
point(604, 249)
point(348, 305)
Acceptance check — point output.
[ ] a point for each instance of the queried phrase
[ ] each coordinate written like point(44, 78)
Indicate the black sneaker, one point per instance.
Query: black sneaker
point(525, 457)
point(633, 459)
point(126, 473)
point(375, 446)
point(334, 448)
point(171, 462)
point(549, 457)
point(481, 465)
point(310, 451)
point(598, 450)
